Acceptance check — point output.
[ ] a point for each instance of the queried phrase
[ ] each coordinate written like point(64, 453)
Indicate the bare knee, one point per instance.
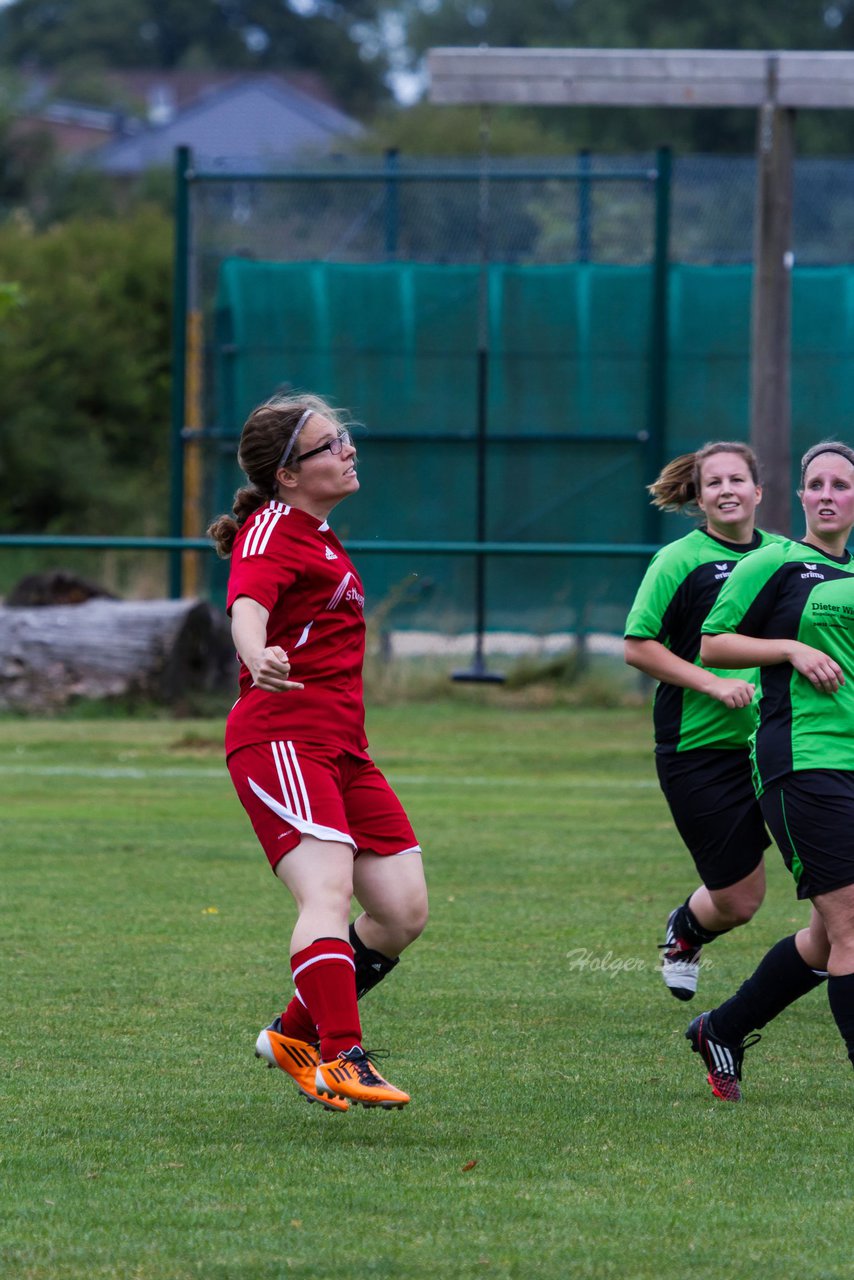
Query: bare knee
point(737, 908)
point(415, 921)
point(393, 929)
point(407, 924)
point(326, 895)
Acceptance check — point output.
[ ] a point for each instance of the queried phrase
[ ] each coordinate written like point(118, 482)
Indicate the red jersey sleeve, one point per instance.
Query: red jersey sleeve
point(262, 566)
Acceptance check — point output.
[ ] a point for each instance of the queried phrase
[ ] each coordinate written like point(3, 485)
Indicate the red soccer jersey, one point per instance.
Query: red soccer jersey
point(293, 565)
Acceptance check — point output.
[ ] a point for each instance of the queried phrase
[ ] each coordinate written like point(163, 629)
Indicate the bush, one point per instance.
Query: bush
point(85, 370)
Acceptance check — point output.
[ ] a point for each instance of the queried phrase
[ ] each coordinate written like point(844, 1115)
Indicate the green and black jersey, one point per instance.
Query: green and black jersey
point(680, 586)
point(792, 591)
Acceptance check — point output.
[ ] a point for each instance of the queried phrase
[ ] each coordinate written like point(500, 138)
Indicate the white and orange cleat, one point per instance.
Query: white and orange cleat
point(352, 1076)
point(299, 1060)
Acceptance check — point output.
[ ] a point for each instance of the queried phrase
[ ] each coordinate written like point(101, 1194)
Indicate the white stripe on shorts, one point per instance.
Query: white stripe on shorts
point(300, 824)
point(288, 791)
point(298, 793)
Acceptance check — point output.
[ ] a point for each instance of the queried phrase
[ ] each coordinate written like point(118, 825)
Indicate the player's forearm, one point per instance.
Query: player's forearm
point(729, 650)
point(249, 629)
point(656, 660)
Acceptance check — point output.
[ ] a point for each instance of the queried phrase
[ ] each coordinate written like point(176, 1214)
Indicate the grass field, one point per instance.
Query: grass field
point(560, 1126)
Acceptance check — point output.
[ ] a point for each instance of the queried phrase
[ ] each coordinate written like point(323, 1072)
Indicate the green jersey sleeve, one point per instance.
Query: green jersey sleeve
point(742, 589)
point(664, 576)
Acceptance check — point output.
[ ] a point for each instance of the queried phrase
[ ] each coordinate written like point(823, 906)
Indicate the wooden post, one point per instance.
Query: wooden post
point(770, 401)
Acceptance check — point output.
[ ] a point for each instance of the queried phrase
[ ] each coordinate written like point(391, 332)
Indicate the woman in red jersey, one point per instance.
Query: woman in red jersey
point(329, 823)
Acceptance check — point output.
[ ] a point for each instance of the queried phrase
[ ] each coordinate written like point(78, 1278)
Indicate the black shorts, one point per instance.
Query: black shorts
point(811, 816)
point(714, 807)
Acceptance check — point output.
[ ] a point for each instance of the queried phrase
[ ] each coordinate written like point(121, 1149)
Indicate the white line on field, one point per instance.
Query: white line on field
point(132, 772)
point(568, 779)
point(141, 774)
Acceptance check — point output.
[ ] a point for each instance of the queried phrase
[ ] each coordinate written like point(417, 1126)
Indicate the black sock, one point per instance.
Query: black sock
point(371, 966)
point(687, 927)
point(840, 993)
point(781, 977)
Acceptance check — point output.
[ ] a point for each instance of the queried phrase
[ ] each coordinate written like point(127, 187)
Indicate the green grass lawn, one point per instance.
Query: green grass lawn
point(560, 1126)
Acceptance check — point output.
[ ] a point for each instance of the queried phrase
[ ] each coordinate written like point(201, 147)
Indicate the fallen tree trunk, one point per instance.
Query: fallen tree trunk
point(158, 650)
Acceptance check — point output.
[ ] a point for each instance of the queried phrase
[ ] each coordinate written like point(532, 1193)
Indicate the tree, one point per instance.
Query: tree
point(231, 34)
point(666, 24)
point(85, 370)
point(429, 130)
point(10, 297)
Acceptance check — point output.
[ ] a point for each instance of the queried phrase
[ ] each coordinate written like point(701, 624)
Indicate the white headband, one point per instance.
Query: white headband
point(297, 429)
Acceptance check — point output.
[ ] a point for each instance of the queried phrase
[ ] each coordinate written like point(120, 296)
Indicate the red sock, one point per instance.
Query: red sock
point(325, 977)
point(297, 1022)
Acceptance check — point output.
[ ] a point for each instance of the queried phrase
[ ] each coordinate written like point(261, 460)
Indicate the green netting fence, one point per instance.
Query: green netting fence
point(570, 441)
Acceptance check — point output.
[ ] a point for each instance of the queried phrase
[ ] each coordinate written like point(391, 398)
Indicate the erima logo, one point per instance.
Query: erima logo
point(811, 572)
point(724, 570)
point(330, 555)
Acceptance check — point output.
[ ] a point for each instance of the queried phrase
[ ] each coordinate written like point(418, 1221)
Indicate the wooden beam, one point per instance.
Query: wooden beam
point(639, 77)
point(815, 80)
point(770, 400)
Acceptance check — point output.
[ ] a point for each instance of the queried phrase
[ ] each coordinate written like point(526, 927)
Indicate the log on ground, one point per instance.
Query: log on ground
point(157, 650)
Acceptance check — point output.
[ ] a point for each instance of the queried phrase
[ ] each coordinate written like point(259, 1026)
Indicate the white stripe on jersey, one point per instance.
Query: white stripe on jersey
point(265, 523)
point(304, 635)
point(342, 587)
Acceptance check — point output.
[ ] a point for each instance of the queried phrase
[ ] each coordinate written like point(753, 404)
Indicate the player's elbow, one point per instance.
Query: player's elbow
point(632, 651)
point(711, 654)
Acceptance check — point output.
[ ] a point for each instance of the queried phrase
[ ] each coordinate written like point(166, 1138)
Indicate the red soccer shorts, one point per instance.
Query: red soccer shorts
point(292, 790)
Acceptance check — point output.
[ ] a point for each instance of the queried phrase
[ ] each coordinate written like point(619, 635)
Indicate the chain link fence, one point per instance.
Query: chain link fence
point(521, 337)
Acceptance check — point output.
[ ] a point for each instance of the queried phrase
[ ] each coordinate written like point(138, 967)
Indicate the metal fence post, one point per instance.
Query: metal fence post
point(658, 345)
point(179, 362)
point(584, 208)
point(392, 197)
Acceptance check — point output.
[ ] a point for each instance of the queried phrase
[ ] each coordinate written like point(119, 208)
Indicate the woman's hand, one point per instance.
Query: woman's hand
point(732, 692)
point(270, 670)
point(821, 671)
point(268, 665)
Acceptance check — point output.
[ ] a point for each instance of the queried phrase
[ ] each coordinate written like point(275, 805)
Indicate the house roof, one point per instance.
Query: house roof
point(241, 125)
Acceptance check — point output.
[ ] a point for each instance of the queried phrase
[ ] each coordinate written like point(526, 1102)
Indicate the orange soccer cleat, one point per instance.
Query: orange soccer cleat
point(299, 1060)
point(351, 1075)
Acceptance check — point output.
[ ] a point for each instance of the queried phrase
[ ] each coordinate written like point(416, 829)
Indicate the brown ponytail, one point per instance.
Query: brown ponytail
point(678, 484)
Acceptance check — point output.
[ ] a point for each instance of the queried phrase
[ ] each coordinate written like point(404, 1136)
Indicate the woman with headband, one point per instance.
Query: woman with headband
point(328, 821)
point(789, 610)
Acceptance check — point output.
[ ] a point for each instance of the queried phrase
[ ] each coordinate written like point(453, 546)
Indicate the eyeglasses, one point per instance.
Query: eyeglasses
point(335, 445)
